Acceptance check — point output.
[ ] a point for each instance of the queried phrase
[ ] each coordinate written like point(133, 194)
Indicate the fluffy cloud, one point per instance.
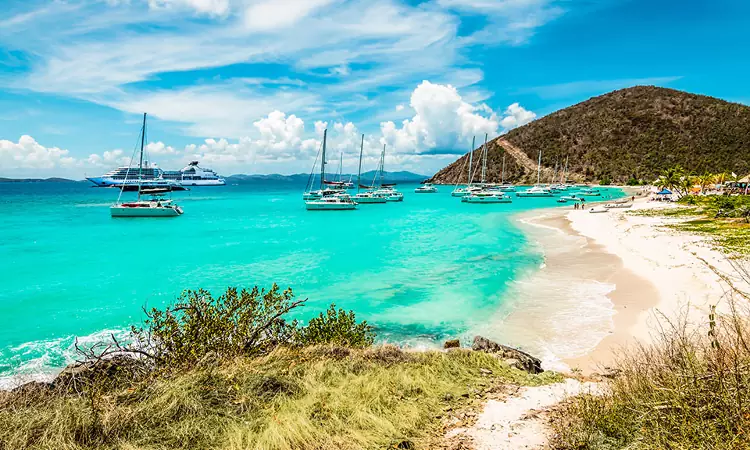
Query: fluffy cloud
point(27, 153)
point(443, 122)
point(516, 116)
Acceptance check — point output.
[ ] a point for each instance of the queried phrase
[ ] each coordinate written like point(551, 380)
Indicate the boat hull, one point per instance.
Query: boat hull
point(534, 194)
point(125, 211)
point(327, 206)
point(470, 199)
point(370, 200)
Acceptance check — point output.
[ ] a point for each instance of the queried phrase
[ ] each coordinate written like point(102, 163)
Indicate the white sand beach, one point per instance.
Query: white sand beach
point(608, 280)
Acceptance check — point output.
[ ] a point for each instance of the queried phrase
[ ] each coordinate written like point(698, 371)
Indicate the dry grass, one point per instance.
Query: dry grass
point(318, 398)
point(688, 390)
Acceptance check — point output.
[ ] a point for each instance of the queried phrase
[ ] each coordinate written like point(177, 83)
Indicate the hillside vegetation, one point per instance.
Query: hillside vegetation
point(231, 372)
point(633, 133)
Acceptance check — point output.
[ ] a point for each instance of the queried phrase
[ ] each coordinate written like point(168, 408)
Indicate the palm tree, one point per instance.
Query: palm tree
point(670, 178)
point(705, 180)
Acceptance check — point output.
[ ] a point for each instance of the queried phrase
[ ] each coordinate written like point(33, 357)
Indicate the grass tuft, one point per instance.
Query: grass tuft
point(323, 397)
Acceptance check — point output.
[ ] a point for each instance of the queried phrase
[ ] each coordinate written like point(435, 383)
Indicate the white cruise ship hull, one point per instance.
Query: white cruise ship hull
point(218, 182)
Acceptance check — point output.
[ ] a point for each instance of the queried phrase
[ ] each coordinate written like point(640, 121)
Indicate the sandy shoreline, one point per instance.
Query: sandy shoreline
point(649, 269)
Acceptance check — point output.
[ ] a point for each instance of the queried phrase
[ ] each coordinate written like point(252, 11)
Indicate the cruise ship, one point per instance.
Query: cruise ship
point(190, 175)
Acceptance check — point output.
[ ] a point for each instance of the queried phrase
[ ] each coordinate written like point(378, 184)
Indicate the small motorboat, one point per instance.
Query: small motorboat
point(598, 209)
point(426, 189)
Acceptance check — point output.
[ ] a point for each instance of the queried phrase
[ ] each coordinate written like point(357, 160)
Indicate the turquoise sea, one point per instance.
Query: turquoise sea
point(420, 271)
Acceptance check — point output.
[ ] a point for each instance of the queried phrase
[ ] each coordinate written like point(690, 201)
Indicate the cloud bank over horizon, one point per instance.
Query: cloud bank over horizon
point(441, 127)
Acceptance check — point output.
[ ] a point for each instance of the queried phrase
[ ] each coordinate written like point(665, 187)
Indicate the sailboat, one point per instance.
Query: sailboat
point(505, 187)
point(368, 196)
point(387, 190)
point(486, 195)
point(538, 190)
point(329, 200)
point(464, 191)
point(150, 201)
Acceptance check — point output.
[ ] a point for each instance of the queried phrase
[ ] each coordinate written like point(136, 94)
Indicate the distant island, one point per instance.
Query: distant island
point(367, 177)
point(39, 180)
point(627, 135)
point(298, 178)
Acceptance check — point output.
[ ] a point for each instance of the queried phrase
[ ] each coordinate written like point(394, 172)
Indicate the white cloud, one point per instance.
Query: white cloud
point(443, 122)
point(108, 159)
point(516, 116)
point(210, 7)
point(27, 153)
point(271, 15)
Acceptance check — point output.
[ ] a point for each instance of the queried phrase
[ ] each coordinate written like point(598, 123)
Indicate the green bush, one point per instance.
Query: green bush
point(336, 327)
point(237, 323)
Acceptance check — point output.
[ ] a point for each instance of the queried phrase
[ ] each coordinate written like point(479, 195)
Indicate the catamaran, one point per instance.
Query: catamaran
point(537, 190)
point(464, 191)
point(368, 196)
point(154, 205)
point(486, 194)
point(426, 188)
point(387, 190)
point(328, 202)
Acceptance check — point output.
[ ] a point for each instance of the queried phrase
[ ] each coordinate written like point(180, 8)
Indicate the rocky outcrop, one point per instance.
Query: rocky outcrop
point(453, 343)
point(521, 359)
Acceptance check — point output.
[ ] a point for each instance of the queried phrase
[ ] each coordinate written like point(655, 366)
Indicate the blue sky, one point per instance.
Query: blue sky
point(247, 86)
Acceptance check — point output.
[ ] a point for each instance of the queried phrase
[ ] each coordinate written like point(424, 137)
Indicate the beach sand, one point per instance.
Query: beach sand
point(608, 281)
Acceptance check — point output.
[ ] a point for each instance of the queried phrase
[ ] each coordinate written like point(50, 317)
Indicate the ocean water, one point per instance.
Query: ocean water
point(420, 271)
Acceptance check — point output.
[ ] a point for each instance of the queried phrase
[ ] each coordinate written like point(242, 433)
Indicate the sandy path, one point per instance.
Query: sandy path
point(519, 421)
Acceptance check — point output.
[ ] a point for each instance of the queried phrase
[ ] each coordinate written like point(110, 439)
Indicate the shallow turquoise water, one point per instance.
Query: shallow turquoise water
point(420, 270)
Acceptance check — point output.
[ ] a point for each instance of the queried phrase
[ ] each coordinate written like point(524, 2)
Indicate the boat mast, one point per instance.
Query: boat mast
point(140, 163)
point(382, 165)
point(323, 162)
point(565, 172)
point(503, 177)
point(538, 168)
point(471, 159)
point(341, 165)
point(484, 160)
point(359, 172)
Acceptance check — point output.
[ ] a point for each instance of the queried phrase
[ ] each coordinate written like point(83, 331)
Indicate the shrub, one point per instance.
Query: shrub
point(336, 327)
point(237, 323)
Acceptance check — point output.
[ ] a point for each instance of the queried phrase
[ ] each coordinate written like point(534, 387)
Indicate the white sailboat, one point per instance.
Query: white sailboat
point(464, 191)
point(154, 205)
point(328, 202)
point(486, 195)
point(387, 190)
point(368, 196)
point(537, 190)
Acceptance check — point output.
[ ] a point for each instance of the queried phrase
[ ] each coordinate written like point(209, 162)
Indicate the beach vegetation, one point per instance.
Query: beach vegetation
point(234, 372)
point(688, 389)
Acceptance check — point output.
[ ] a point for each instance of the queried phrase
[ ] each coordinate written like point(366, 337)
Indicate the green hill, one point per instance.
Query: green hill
point(630, 133)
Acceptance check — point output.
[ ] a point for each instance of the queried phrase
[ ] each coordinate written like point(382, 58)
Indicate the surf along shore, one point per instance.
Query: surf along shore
point(609, 280)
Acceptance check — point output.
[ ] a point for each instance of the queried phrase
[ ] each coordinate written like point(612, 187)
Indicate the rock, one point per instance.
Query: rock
point(485, 371)
point(527, 362)
point(453, 343)
point(514, 363)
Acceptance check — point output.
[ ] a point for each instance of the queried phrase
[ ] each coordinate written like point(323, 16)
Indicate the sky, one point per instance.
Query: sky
point(248, 86)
